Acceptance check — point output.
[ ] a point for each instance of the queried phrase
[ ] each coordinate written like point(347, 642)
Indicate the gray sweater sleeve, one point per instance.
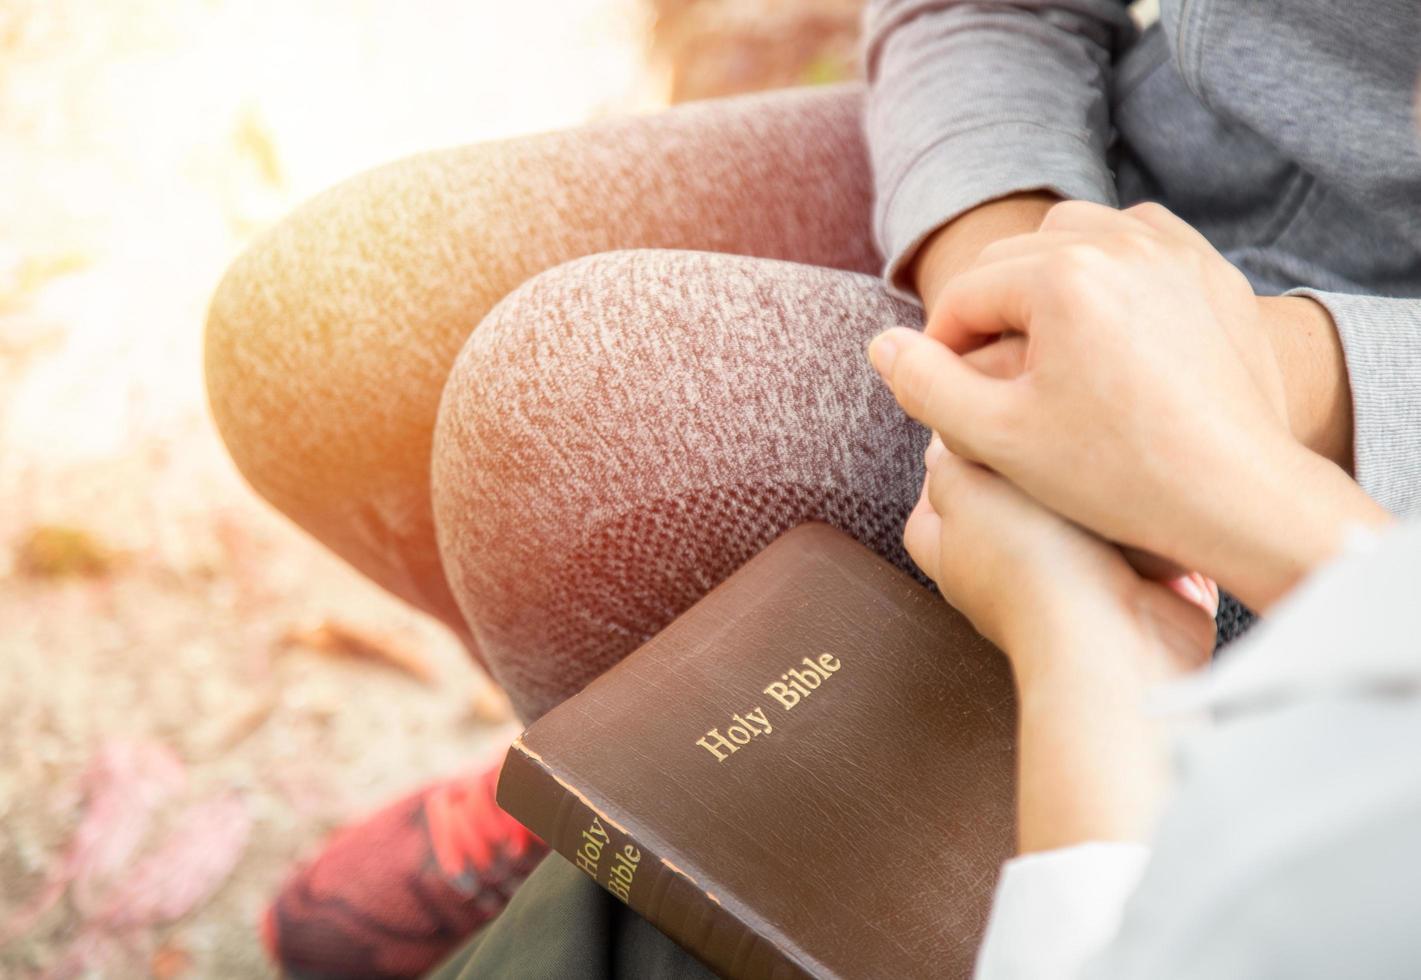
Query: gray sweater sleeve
point(971, 101)
point(1381, 341)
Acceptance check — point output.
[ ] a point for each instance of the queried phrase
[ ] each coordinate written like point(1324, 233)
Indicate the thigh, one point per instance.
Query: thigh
point(329, 341)
point(624, 431)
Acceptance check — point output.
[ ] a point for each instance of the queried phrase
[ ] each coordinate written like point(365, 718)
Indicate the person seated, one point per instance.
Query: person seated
point(1278, 844)
point(552, 390)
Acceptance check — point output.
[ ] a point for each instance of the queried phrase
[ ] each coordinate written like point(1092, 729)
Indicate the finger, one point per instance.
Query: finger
point(934, 386)
point(1154, 567)
point(950, 478)
point(985, 302)
point(1194, 587)
point(1185, 627)
point(941, 325)
point(1199, 589)
point(922, 536)
point(933, 453)
point(1004, 358)
point(1167, 223)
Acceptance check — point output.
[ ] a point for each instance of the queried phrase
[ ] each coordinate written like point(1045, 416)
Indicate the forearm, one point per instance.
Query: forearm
point(1291, 512)
point(970, 102)
point(1090, 764)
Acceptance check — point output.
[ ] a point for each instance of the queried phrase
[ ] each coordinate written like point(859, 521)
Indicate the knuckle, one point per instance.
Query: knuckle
point(1143, 246)
point(1148, 210)
point(914, 539)
point(1073, 266)
point(993, 251)
point(1062, 215)
point(943, 485)
point(1137, 242)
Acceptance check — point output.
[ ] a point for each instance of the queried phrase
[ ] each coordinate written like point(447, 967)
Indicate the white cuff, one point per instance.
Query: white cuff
point(1054, 910)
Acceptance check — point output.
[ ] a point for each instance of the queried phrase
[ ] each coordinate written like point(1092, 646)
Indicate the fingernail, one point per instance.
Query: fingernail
point(1190, 588)
point(934, 452)
point(1197, 589)
point(1211, 588)
point(882, 351)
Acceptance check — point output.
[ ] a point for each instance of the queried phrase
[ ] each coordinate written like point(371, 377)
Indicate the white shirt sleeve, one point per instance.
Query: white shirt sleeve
point(1054, 910)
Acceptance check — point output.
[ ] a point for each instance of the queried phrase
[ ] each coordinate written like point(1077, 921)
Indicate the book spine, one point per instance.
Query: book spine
point(655, 888)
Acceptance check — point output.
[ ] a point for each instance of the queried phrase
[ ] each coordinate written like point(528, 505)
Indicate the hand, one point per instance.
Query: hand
point(1083, 247)
point(1086, 636)
point(1034, 583)
point(955, 247)
point(1305, 344)
point(1149, 409)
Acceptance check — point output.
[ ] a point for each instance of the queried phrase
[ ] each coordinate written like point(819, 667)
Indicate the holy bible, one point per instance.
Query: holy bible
point(809, 773)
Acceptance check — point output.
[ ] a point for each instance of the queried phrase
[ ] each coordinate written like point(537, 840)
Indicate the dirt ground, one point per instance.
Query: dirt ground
point(192, 692)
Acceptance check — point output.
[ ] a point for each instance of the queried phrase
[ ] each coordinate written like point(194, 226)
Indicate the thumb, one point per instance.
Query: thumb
point(936, 387)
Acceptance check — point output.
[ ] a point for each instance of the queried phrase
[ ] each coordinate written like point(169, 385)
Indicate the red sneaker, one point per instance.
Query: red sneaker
point(395, 894)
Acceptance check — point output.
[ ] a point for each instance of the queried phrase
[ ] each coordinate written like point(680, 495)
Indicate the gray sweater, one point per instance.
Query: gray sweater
point(1284, 130)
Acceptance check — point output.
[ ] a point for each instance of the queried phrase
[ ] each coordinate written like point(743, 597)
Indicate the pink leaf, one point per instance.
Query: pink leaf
point(123, 783)
point(185, 870)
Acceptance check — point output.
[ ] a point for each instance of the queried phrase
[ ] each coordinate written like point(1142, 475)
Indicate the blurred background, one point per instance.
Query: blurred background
point(192, 693)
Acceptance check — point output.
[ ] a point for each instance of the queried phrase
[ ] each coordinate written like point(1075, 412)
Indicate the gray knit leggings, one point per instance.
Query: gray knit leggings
point(552, 390)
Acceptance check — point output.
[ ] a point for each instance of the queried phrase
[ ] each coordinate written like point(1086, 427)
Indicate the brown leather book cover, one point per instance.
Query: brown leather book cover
point(810, 772)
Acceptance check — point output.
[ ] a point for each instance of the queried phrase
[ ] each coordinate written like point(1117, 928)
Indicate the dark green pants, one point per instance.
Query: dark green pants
point(562, 926)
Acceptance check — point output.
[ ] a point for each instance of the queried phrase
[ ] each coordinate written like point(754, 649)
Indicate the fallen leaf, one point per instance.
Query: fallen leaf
point(185, 870)
point(169, 961)
point(57, 551)
point(36, 272)
point(123, 783)
point(490, 706)
point(339, 640)
point(254, 141)
point(221, 734)
point(92, 953)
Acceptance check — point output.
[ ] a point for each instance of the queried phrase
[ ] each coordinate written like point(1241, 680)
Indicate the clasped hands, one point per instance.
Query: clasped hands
point(1107, 382)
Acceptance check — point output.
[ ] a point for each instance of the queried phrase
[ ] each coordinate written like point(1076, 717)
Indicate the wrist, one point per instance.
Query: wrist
point(1086, 642)
point(954, 247)
point(1310, 358)
point(1092, 765)
point(1291, 512)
